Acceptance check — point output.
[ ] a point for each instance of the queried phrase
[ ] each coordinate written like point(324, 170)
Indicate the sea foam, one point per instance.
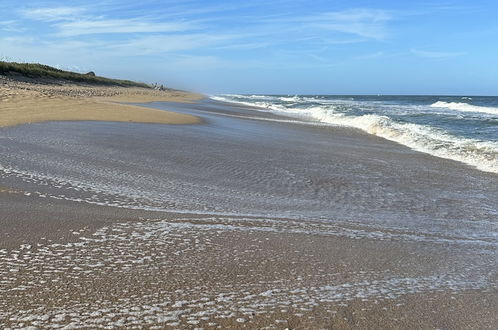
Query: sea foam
point(465, 107)
point(483, 155)
point(424, 138)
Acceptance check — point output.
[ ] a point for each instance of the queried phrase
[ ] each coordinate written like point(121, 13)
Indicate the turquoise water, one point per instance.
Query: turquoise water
point(462, 128)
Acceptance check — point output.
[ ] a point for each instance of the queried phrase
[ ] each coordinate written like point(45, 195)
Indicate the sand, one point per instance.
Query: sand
point(9, 191)
point(91, 269)
point(350, 232)
point(24, 103)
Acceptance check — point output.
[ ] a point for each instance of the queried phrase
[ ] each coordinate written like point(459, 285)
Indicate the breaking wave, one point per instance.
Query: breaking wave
point(424, 138)
point(465, 107)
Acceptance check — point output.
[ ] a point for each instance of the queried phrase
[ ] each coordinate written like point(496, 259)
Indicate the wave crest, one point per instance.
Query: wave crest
point(482, 155)
point(465, 107)
point(437, 142)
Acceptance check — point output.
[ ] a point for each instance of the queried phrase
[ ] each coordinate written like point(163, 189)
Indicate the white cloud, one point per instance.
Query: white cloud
point(135, 25)
point(365, 23)
point(432, 54)
point(7, 23)
point(370, 56)
point(156, 44)
point(74, 21)
point(10, 26)
point(245, 45)
point(52, 14)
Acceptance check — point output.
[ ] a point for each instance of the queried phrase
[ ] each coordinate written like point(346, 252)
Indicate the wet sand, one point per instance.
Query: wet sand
point(22, 103)
point(247, 220)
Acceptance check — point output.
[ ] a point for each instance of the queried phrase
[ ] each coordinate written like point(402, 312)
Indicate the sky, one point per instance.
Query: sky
point(265, 47)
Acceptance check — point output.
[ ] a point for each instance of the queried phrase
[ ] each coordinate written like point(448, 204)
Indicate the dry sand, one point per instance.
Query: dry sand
point(23, 102)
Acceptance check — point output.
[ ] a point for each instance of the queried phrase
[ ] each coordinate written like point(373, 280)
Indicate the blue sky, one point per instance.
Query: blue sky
point(279, 46)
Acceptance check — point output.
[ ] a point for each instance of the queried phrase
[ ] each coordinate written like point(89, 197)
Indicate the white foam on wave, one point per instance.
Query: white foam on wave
point(481, 154)
point(251, 97)
point(464, 107)
point(294, 98)
point(259, 104)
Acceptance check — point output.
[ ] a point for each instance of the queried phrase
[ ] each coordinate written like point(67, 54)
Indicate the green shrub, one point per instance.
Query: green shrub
point(35, 70)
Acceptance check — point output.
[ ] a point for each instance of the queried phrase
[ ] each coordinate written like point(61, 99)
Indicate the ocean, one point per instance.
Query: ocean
point(461, 128)
point(249, 162)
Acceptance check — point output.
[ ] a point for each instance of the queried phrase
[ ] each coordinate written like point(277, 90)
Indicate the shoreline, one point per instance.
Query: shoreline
point(385, 244)
point(428, 136)
point(29, 102)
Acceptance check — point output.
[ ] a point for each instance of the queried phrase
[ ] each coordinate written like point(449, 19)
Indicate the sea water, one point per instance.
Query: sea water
point(239, 164)
point(462, 128)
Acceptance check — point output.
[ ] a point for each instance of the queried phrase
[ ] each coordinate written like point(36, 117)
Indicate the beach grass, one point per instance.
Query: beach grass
point(36, 70)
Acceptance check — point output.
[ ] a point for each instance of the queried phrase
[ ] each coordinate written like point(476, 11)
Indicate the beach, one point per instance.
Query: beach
point(27, 102)
point(234, 218)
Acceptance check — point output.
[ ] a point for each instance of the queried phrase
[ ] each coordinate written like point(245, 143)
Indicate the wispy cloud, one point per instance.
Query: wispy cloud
point(245, 45)
point(433, 54)
point(10, 26)
point(52, 14)
point(135, 25)
point(76, 21)
point(365, 23)
point(156, 44)
point(370, 56)
point(349, 26)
